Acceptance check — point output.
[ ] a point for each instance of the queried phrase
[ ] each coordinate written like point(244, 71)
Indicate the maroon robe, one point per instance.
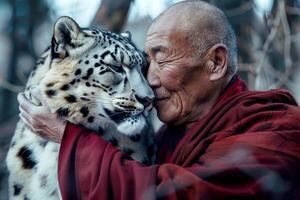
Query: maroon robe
point(246, 147)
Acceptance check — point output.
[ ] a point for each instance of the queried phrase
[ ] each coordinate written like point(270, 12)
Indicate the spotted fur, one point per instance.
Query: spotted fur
point(89, 77)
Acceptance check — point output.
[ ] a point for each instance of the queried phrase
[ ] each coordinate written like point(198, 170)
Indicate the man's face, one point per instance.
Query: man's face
point(179, 80)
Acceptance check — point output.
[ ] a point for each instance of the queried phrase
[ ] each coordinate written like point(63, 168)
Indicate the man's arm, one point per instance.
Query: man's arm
point(92, 168)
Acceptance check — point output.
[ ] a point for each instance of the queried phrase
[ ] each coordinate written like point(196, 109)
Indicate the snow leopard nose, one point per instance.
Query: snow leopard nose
point(146, 101)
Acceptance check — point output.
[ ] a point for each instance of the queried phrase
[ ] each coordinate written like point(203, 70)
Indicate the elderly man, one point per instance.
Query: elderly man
point(221, 142)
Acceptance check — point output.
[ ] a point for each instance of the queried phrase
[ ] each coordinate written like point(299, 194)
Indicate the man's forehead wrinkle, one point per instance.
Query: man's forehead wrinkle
point(155, 39)
point(156, 34)
point(173, 34)
point(165, 32)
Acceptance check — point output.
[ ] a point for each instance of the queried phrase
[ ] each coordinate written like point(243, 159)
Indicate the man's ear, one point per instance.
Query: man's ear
point(65, 32)
point(217, 62)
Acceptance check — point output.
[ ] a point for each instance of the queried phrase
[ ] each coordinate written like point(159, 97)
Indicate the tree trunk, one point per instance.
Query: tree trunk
point(112, 14)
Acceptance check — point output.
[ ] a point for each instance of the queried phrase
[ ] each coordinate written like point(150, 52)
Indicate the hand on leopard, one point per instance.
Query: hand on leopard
point(39, 118)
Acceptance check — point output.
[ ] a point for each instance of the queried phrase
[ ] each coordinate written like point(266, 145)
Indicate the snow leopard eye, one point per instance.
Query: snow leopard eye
point(116, 68)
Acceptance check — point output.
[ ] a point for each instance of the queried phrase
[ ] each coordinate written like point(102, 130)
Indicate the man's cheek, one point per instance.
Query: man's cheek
point(170, 80)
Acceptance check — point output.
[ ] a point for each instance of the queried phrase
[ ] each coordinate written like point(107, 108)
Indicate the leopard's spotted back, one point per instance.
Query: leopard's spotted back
point(89, 77)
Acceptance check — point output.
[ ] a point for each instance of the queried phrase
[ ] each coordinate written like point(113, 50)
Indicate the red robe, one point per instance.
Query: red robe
point(246, 147)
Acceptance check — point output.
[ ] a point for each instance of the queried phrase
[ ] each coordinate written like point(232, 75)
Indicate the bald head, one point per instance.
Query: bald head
point(205, 25)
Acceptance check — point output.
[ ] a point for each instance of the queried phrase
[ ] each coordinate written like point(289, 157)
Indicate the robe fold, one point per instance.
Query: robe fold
point(246, 147)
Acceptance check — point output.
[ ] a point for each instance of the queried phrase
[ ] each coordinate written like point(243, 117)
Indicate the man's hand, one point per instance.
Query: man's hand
point(40, 120)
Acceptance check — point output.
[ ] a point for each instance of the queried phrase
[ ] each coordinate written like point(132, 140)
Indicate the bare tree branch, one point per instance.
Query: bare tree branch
point(268, 42)
point(9, 86)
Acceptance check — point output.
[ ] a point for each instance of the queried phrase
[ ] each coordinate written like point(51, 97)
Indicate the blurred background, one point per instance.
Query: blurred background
point(268, 33)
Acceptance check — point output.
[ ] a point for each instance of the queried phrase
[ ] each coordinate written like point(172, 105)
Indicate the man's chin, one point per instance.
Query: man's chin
point(165, 113)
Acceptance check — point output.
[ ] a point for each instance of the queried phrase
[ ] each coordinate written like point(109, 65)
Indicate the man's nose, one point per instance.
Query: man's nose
point(152, 75)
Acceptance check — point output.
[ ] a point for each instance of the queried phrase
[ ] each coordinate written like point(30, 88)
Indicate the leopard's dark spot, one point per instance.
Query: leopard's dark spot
point(90, 71)
point(113, 56)
point(50, 93)
point(95, 56)
point(17, 189)
point(84, 111)
point(91, 119)
point(77, 72)
point(97, 65)
point(88, 84)
point(88, 74)
point(87, 62)
point(104, 71)
point(135, 138)
point(62, 112)
point(70, 99)
point(28, 162)
point(103, 85)
point(73, 82)
point(65, 87)
point(84, 99)
point(122, 56)
point(49, 84)
point(105, 54)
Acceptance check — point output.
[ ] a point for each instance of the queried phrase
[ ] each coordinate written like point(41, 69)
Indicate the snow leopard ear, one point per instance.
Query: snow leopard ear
point(127, 35)
point(65, 32)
